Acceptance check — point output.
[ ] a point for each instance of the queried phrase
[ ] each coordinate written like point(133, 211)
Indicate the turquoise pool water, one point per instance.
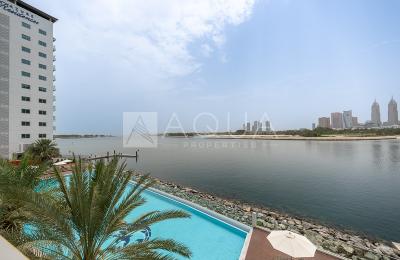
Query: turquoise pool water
point(207, 237)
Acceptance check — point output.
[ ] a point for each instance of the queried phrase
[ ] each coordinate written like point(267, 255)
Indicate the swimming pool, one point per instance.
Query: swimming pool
point(204, 233)
point(206, 236)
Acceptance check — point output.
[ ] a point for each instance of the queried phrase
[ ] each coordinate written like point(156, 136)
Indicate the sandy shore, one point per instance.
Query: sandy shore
point(302, 138)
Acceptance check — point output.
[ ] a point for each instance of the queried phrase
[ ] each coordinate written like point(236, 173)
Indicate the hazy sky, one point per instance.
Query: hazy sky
point(294, 60)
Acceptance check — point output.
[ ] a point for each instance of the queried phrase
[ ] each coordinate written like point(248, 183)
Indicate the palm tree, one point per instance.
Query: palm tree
point(23, 176)
point(43, 150)
point(83, 216)
point(13, 216)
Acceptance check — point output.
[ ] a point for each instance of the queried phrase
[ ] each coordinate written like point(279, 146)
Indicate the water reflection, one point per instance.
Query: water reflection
point(377, 155)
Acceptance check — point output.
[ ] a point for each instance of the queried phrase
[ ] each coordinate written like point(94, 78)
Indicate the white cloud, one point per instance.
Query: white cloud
point(153, 35)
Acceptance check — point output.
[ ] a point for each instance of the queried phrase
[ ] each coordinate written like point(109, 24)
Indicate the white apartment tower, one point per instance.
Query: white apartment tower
point(26, 76)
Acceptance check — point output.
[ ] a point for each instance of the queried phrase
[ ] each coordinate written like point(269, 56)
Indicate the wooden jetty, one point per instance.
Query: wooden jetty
point(109, 156)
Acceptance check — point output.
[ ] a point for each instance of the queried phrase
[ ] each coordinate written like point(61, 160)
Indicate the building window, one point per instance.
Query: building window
point(25, 74)
point(27, 62)
point(41, 43)
point(25, 136)
point(23, 98)
point(42, 112)
point(25, 86)
point(42, 66)
point(26, 37)
point(42, 78)
point(41, 100)
point(43, 55)
point(42, 89)
point(42, 124)
point(43, 32)
point(42, 135)
point(25, 123)
point(26, 25)
point(25, 111)
point(25, 49)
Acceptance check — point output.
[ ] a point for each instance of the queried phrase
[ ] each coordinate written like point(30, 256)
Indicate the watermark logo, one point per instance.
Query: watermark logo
point(140, 129)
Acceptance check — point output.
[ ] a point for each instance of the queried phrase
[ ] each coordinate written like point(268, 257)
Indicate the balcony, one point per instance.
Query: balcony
point(54, 67)
point(54, 58)
point(54, 98)
point(54, 48)
point(54, 78)
point(54, 39)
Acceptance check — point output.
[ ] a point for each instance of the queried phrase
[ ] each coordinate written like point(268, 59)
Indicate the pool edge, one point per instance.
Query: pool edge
point(231, 222)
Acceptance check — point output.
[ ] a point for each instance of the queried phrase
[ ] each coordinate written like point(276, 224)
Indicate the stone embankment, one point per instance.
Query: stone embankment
point(351, 246)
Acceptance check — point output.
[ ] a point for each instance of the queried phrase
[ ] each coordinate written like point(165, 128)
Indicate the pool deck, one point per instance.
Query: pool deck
point(259, 248)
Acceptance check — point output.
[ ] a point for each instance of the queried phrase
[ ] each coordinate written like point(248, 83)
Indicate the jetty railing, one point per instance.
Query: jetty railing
point(112, 155)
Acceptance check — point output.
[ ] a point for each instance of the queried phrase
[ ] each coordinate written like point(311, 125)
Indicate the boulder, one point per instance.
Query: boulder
point(371, 256)
point(291, 223)
point(346, 249)
point(386, 250)
point(247, 208)
point(282, 226)
point(269, 225)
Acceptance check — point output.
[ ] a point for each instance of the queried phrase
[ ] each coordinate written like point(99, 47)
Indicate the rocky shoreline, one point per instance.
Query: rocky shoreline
point(351, 246)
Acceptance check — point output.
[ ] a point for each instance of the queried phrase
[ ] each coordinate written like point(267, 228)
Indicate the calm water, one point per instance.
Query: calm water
point(354, 185)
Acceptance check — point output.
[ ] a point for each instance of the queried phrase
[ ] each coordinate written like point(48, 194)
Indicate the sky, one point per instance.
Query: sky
point(290, 61)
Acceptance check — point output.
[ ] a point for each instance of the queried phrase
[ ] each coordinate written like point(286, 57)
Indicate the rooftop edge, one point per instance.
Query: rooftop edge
point(34, 10)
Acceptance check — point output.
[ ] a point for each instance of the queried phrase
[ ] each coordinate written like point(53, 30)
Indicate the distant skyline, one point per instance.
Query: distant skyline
point(293, 60)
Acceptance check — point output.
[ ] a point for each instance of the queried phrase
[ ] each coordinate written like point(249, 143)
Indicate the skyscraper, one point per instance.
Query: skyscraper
point(254, 127)
point(26, 76)
point(337, 120)
point(376, 114)
point(324, 122)
point(355, 121)
point(248, 127)
point(393, 114)
point(259, 129)
point(267, 126)
point(348, 119)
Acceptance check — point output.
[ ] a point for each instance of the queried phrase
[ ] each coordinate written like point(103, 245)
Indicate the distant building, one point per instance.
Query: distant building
point(267, 126)
point(313, 126)
point(255, 126)
point(348, 119)
point(355, 121)
point(370, 124)
point(376, 114)
point(337, 120)
point(324, 122)
point(393, 114)
point(248, 127)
